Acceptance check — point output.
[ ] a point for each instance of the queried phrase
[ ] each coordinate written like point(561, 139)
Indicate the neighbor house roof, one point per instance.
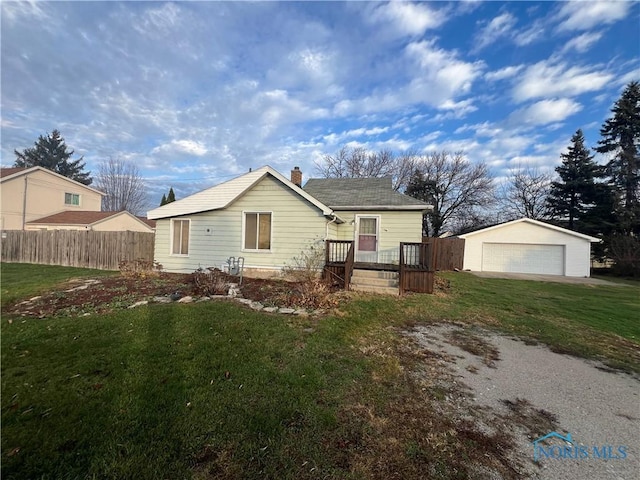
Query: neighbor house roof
point(5, 172)
point(361, 193)
point(532, 222)
point(15, 172)
point(83, 218)
point(224, 194)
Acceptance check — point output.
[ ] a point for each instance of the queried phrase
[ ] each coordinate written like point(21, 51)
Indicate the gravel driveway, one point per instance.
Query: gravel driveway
point(596, 406)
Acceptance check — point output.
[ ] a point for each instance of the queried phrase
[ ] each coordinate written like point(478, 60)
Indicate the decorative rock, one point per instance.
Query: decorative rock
point(35, 298)
point(287, 311)
point(162, 299)
point(92, 282)
point(256, 306)
point(186, 299)
point(203, 299)
point(217, 297)
point(270, 309)
point(317, 312)
point(233, 292)
point(244, 301)
point(301, 311)
point(138, 304)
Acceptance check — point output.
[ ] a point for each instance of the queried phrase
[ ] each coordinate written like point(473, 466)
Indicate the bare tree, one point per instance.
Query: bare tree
point(524, 193)
point(359, 162)
point(124, 187)
point(457, 189)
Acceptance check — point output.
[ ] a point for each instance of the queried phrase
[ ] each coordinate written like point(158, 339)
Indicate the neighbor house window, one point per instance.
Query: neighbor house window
point(71, 199)
point(257, 231)
point(180, 244)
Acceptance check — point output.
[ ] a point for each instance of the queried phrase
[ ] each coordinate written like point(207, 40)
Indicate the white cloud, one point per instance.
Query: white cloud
point(588, 14)
point(498, 27)
point(503, 73)
point(189, 147)
point(583, 42)
point(408, 18)
point(545, 112)
point(545, 79)
point(529, 35)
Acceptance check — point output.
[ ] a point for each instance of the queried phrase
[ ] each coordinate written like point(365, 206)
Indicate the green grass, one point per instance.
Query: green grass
point(23, 280)
point(141, 394)
point(214, 390)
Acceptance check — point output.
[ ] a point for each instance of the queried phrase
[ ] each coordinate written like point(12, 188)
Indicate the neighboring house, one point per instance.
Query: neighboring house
point(268, 219)
point(528, 246)
point(98, 221)
point(28, 194)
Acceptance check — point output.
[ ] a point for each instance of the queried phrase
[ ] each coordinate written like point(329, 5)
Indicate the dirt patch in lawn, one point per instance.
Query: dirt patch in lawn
point(78, 297)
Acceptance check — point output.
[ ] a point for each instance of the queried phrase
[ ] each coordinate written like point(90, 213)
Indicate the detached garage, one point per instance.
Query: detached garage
point(528, 246)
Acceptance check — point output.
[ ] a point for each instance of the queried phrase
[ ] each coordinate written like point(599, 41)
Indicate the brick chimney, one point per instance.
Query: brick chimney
point(296, 176)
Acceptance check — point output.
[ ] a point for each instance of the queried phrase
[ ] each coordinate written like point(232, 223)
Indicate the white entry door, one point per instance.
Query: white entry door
point(366, 238)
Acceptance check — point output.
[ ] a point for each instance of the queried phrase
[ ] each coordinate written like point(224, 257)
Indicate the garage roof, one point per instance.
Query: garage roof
point(533, 222)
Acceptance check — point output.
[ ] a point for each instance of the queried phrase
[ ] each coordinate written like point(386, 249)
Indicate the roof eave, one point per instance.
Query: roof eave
point(424, 208)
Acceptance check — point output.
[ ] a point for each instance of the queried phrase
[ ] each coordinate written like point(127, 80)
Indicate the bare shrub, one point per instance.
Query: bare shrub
point(139, 268)
point(210, 281)
point(307, 266)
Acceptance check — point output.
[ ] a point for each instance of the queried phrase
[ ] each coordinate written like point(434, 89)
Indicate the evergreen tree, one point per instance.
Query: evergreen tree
point(164, 200)
point(573, 197)
point(51, 152)
point(172, 196)
point(621, 136)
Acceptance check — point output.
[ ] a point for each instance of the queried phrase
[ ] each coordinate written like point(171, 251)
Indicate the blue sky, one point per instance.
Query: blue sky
point(197, 92)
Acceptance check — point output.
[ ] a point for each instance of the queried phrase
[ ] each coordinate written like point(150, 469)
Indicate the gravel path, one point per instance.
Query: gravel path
point(597, 407)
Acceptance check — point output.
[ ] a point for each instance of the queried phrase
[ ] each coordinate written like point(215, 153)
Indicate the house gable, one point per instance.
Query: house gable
point(224, 194)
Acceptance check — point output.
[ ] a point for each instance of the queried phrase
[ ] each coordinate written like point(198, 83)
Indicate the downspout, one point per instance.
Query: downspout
point(326, 235)
point(24, 204)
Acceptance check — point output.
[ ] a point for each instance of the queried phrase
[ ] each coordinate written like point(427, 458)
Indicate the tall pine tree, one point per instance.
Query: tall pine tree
point(164, 200)
point(621, 137)
point(573, 197)
point(172, 196)
point(51, 152)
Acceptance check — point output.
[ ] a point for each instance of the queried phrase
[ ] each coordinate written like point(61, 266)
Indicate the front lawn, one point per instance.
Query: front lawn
point(216, 390)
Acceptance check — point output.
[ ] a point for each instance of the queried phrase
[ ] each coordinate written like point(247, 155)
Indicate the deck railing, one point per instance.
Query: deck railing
point(339, 260)
point(416, 267)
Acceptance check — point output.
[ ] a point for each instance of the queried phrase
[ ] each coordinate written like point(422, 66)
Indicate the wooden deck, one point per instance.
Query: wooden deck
point(415, 270)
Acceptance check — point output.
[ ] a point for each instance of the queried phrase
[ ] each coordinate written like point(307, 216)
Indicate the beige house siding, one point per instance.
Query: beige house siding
point(217, 235)
point(45, 196)
point(395, 227)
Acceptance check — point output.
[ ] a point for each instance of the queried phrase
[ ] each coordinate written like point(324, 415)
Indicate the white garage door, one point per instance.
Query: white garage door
point(523, 258)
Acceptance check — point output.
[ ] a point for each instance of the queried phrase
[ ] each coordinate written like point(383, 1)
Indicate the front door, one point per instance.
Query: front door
point(366, 239)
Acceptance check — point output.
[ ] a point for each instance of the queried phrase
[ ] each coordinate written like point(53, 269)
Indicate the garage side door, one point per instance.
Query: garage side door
point(523, 258)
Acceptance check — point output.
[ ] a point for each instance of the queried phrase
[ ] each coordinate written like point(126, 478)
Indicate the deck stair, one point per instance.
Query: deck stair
point(375, 281)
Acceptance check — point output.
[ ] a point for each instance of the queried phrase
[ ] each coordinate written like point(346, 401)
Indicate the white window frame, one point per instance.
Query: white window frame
point(171, 252)
point(244, 223)
point(72, 196)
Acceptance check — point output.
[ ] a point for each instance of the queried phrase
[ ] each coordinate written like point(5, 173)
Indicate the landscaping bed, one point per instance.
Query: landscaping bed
point(86, 296)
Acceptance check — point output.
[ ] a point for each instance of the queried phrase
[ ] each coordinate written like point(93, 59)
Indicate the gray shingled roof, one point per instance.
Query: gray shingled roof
point(361, 193)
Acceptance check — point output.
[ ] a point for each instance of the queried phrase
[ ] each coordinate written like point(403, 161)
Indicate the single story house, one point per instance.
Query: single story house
point(528, 246)
point(268, 220)
point(121, 221)
point(31, 193)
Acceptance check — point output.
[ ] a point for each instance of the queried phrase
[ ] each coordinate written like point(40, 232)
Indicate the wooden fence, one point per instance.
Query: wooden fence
point(448, 253)
point(73, 248)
